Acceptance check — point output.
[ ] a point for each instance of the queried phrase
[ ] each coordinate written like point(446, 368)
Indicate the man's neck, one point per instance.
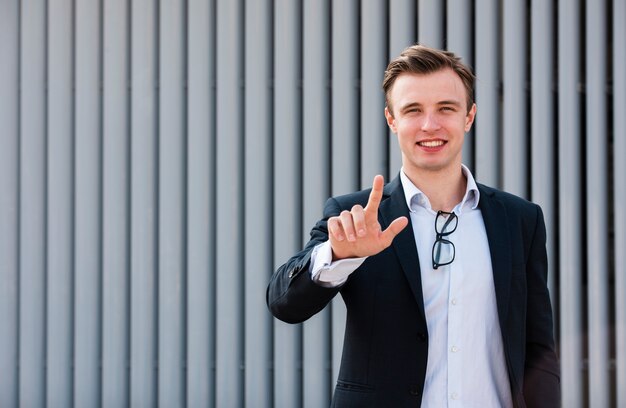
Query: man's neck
point(444, 189)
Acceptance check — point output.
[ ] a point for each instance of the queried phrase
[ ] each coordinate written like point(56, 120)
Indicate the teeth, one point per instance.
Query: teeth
point(431, 143)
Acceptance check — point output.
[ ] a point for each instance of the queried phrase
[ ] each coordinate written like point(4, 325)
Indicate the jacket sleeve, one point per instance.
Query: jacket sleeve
point(292, 296)
point(541, 372)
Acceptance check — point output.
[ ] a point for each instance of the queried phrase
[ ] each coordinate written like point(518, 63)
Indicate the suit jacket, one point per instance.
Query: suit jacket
point(386, 339)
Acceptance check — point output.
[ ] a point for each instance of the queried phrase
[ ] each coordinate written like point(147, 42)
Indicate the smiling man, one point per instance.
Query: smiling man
point(444, 279)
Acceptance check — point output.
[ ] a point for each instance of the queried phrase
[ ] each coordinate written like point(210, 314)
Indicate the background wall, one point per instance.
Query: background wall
point(159, 159)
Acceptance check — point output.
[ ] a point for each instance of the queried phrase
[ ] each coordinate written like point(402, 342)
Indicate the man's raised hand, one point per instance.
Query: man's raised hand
point(357, 233)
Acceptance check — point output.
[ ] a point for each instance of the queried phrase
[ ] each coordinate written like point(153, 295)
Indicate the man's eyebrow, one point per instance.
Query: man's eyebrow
point(449, 102)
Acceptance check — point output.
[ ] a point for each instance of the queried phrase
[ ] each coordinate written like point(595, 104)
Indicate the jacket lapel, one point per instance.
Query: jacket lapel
point(495, 218)
point(404, 243)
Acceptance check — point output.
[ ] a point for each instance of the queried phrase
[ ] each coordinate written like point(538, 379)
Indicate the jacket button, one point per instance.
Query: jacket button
point(414, 390)
point(421, 336)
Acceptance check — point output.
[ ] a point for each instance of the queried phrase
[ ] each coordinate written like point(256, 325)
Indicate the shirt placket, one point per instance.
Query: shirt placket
point(455, 337)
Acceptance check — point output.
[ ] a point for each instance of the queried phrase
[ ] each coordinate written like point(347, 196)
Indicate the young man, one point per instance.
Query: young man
point(444, 279)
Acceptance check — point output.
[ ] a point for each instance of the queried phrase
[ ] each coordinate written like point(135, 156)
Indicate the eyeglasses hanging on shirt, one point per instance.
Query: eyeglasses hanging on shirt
point(443, 249)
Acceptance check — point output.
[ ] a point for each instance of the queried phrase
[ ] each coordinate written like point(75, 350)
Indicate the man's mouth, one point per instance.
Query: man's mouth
point(431, 143)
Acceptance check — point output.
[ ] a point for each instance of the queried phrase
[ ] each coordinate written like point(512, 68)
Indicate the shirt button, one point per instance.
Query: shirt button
point(454, 349)
point(454, 396)
point(454, 301)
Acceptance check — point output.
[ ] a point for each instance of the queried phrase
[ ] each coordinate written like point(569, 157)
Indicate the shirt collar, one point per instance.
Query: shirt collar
point(414, 195)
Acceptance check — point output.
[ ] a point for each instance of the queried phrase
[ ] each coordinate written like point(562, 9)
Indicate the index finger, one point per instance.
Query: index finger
point(375, 195)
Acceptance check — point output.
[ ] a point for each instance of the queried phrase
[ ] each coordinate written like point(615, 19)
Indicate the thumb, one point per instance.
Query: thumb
point(394, 229)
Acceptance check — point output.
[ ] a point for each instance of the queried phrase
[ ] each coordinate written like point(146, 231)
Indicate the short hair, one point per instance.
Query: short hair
point(420, 59)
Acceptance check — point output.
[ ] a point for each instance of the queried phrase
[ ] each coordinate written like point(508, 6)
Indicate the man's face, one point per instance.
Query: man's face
point(430, 117)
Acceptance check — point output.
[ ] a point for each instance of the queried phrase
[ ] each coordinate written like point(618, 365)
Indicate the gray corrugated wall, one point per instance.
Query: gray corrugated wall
point(158, 159)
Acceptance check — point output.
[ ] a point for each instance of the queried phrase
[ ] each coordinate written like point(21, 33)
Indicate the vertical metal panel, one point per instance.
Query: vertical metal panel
point(596, 183)
point(459, 40)
point(374, 130)
point(230, 223)
point(115, 200)
point(32, 236)
point(201, 204)
point(542, 130)
point(345, 96)
point(344, 131)
point(316, 378)
point(172, 147)
point(431, 23)
point(619, 191)
point(287, 187)
point(59, 211)
point(9, 202)
point(87, 205)
point(487, 125)
point(258, 206)
point(514, 132)
point(144, 206)
point(569, 204)
point(402, 29)
point(401, 35)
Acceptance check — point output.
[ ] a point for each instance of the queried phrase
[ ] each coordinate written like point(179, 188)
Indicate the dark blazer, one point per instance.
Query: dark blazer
point(386, 339)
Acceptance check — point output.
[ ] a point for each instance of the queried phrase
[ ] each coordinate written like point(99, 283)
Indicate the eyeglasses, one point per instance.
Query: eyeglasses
point(443, 249)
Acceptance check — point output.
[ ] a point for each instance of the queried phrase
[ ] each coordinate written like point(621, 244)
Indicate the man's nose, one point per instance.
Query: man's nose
point(430, 122)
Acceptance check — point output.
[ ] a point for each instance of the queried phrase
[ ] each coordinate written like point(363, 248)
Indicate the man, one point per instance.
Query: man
point(444, 279)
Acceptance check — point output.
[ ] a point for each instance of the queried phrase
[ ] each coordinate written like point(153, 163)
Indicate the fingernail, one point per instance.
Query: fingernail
point(351, 237)
point(361, 232)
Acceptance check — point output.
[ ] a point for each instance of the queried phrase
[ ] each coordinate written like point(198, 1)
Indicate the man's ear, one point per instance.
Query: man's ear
point(469, 119)
point(391, 121)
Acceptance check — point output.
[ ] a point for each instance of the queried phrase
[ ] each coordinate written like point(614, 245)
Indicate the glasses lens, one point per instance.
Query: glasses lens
point(446, 223)
point(443, 252)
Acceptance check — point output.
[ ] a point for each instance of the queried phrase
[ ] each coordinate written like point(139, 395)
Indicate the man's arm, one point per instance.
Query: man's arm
point(542, 372)
point(292, 295)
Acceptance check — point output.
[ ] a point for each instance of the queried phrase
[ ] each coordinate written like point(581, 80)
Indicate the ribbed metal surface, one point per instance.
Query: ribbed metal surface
point(87, 203)
point(258, 211)
point(160, 158)
point(230, 200)
point(571, 195)
point(143, 204)
point(487, 67)
point(597, 186)
point(619, 194)
point(59, 347)
point(316, 168)
point(115, 211)
point(287, 151)
point(200, 168)
point(32, 200)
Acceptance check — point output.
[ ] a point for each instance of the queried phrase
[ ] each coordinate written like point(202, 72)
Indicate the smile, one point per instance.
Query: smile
point(431, 143)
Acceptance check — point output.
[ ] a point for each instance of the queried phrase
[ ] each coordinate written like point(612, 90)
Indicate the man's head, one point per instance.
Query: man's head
point(429, 108)
point(419, 59)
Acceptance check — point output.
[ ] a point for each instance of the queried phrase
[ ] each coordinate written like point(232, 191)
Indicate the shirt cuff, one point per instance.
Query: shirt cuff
point(327, 273)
